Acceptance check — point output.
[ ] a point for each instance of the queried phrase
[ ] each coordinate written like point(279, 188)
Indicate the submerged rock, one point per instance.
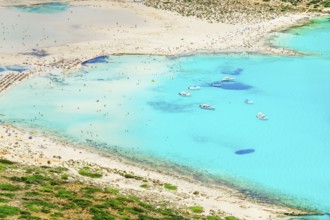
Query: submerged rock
point(244, 151)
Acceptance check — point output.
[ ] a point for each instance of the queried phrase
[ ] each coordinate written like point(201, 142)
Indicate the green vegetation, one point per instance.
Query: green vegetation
point(230, 218)
point(6, 211)
point(170, 187)
point(64, 176)
point(326, 3)
point(145, 186)
point(2, 167)
point(8, 187)
point(196, 209)
point(37, 193)
point(6, 162)
point(86, 172)
point(213, 218)
point(112, 190)
point(3, 200)
point(130, 176)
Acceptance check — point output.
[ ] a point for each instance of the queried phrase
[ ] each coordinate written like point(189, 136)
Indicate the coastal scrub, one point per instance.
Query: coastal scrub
point(170, 186)
point(86, 172)
point(32, 192)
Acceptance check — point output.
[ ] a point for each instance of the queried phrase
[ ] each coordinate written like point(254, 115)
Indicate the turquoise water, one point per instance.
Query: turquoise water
point(313, 38)
point(144, 114)
point(44, 8)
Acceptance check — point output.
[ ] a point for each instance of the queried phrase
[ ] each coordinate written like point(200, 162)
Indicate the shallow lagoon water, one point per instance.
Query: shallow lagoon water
point(51, 7)
point(288, 153)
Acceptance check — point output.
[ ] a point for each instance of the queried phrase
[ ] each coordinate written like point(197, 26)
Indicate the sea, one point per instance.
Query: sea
point(131, 104)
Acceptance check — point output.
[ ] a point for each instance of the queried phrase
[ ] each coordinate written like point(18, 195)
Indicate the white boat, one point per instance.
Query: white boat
point(183, 93)
point(194, 87)
point(216, 84)
point(227, 79)
point(261, 116)
point(248, 101)
point(206, 106)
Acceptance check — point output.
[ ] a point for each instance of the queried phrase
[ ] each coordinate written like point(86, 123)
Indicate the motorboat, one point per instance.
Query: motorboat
point(206, 106)
point(227, 79)
point(248, 101)
point(261, 116)
point(183, 93)
point(194, 88)
point(215, 84)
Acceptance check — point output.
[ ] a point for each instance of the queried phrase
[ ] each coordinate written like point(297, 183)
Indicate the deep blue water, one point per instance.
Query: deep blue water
point(99, 59)
point(131, 103)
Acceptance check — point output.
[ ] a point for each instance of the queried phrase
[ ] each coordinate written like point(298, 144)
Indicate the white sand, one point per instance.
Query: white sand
point(107, 27)
point(92, 28)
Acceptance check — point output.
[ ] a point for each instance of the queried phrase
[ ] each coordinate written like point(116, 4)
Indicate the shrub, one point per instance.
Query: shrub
point(3, 200)
point(63, 193)
point(83, 203)
point(32, 193)
point(8, 187)
point(326, 4)
point(196, 209)
point(9, 195)
point(86, 172)
point(89, 191)
point(129, 176)
point(6, 162)
point(65, 176)
point(212, 218)
point(144, 217)
point(33, 179)
point(6, 211)
point(170, 186)
point(46, 189)
point(41, 203)
point(99, 214)
point(112, 190)
point(145, 186)
point(2, 167)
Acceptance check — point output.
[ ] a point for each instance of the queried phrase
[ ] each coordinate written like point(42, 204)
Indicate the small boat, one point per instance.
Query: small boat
point(194, 87)
point(227, 79)
point(261, 116)
point(183, 93)
point(248, 101)
point(216, 84)
point(206, 106)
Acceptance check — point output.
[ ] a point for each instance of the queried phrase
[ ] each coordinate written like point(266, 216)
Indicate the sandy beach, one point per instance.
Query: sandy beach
point(132, 28)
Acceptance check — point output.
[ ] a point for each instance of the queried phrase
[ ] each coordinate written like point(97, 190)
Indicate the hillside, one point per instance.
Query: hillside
point(31, 192)
point(238, 11)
